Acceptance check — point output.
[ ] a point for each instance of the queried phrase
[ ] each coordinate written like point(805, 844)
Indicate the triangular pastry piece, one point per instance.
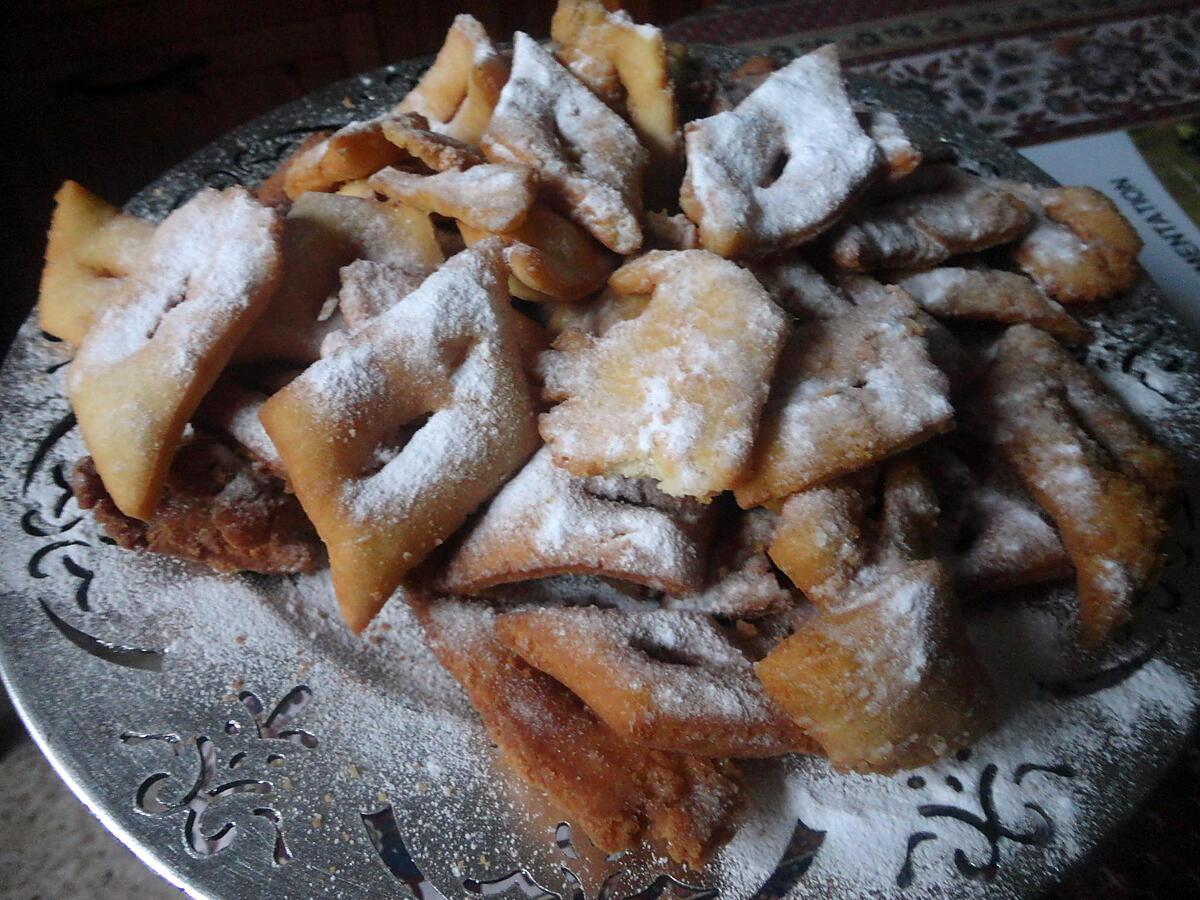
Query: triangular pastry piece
point(208, 274)
point(616, 792)
point(1085, 462)
point(383, 487)
point(91, 248)
point(782, 166)
point(588, 158)
point(548, 522)
point(941, 211)
point(458, 93)
point(1081, 248)
point(848, 392)
point(887, 680)
point(674, 394)
point(661, 678)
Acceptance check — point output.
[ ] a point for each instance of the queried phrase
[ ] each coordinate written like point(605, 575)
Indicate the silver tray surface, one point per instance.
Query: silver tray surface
point(231, 732)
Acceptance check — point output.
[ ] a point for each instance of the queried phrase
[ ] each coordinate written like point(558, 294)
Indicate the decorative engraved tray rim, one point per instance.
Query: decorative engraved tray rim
point(46, 684)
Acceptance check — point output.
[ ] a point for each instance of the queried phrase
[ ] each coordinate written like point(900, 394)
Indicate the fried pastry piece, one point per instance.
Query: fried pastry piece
point(942, 212)
point(368, 290)
point(848, 392)
point(357, 150)
point(1085, 462)
point(588, 159)
point(208, 272)
point(625, 64)
point(887, 680)
point(902, 154)
point(323, 233)
point(91, 247)
point(799, 289)
point(763, 177)
point(382, 488)
point(824, 539)
point(999, 537)
point(493, 198)
point(551, 257)
point(1081, 248)
point(217, 509)
point(548, 522)
point(660, 678)
point(741, 583)
point(299, 173)
point(676, 393)
point(410, 132)
point(618, 793)
point(459, 92)
point(990, 295)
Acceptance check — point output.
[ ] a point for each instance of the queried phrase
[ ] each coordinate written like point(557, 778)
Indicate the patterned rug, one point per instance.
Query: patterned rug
point(1028, 72)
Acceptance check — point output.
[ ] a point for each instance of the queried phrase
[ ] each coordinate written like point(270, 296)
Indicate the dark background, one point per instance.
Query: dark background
point(112, 92)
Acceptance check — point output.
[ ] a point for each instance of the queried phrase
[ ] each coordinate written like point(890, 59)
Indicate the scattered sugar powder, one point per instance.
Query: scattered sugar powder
point(1094, 741)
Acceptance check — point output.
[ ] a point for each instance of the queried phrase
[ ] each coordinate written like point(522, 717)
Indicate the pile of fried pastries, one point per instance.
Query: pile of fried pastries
point(687, 409)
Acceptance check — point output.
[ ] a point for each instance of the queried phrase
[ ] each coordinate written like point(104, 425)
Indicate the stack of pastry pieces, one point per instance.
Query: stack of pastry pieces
point(686, 443)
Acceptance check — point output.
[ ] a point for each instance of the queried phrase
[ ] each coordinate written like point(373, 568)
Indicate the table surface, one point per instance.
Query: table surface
point(1028, 71)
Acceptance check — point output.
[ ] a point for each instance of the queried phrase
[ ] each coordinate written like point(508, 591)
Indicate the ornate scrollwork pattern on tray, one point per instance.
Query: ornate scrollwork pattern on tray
point(987, 822)
point(208, 790)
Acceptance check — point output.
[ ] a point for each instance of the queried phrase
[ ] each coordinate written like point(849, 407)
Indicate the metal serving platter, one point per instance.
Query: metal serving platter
point(231, 732)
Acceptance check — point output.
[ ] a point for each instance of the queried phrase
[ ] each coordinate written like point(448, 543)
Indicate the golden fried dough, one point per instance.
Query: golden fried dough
point(208, 273)
point(458, 93)
point(494, 198)
point(887, 681)
point(942, 212)
point(676, 393)
point(91, 247)
point(849, 391)
point(618, 793)
point(548, 522)
point(990, 295)
point(410, 132)
point(1081, 248)
point(1087, 464)
point(660, 678)
point(409, 426)
point(321, 234)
